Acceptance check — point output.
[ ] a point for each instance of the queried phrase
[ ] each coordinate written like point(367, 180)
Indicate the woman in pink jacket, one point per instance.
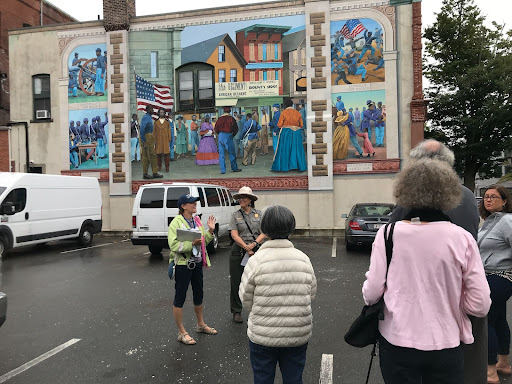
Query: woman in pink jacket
point(435, 279)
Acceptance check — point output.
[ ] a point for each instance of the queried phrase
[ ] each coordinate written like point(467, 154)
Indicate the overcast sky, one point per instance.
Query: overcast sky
point(497, 10)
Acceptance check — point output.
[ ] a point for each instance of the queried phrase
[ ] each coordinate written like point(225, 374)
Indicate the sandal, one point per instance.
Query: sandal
point(187, 341)
point(206, 329)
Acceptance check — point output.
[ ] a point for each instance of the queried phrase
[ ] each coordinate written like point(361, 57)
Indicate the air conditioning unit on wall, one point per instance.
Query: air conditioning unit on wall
point(42, 114)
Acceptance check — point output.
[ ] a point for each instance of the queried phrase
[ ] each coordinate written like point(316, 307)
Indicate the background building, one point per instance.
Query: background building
point(294, 55)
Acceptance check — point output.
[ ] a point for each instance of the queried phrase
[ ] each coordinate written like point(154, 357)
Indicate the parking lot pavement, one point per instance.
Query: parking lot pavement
point(117, 301)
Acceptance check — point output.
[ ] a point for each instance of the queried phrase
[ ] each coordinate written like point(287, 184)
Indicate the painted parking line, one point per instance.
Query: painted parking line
point(95, 246)
point(37, 360)
point(326, 369)
point(334, 242)
point(83, 249)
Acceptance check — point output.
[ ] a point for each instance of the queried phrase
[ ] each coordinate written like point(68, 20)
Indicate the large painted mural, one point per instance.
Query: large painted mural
point(231, 114)
point(356, 52)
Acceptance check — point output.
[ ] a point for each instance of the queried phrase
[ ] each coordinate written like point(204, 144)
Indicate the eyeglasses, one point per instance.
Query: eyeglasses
point(493, 198)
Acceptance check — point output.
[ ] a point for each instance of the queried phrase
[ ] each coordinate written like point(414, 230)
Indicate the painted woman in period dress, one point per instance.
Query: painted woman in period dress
point(289, 153)
point(181, 138)
point(341, 137)
point(207, 152)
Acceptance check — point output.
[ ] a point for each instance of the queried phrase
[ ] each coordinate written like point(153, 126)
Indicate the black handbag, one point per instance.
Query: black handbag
point(364, 330)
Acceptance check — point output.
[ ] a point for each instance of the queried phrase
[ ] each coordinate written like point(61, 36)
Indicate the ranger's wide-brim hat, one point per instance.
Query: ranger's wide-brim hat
point(245, 191)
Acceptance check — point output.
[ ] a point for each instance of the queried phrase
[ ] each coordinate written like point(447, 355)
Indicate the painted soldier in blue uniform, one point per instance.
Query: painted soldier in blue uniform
point(339, 104)
point(352, 67)
point(73, 150)
point(368, 39)
point(101, 67)
point(342, 74)
point(101, 136)
point(273, 125)
point(85, 132)
point(93, 129)
point(72, 86)
point(369, 115)
point(353, 135)
point(73, 130)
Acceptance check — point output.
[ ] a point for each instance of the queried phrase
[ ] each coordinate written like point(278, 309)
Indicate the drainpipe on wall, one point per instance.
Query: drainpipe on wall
point(10, 124)
point(42, 12)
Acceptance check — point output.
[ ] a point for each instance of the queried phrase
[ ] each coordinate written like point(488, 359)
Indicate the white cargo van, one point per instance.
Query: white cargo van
point(157, 204)
point(36, 208)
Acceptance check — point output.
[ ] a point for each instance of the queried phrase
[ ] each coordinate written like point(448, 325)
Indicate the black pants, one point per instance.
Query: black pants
point(475, 355)
point(401, 365)
point(499, 331)
point(185, 277)
point(235, 271)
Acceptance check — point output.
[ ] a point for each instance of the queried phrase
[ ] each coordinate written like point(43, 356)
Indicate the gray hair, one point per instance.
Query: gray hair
point(433, 149)
point(428, 183)
point(278, 222)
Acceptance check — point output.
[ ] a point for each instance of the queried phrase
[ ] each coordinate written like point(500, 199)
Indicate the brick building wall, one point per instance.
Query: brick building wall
point(16, 14)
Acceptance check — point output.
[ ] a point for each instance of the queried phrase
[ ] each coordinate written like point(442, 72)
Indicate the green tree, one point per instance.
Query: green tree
point(469, 67)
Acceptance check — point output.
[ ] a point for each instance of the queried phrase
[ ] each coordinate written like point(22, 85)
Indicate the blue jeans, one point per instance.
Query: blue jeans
point(99, 84)
point(135, 149)
point(291, 363)
point(73, 158)
point(194, 141)
point(499, 332)
point(100, 148)
point(353, 140)
point(379, 135)
point(226, 145)
point(74, 90)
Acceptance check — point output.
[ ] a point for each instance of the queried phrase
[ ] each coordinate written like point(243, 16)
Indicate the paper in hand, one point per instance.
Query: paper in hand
point(188, 234)
point(245, 259)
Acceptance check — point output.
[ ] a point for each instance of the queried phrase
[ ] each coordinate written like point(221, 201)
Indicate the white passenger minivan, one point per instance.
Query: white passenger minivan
point(36, 208)
point(156, 205)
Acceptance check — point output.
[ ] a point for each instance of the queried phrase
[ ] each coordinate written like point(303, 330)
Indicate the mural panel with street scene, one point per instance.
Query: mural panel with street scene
point(87, 74)
point(356, 52)
point(225, 73)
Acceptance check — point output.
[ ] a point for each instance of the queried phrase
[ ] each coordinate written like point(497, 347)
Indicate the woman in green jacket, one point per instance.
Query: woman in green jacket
point(188, 257)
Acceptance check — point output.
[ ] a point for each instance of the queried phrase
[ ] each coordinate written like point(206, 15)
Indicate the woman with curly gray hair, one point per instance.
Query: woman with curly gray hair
point(435, 279)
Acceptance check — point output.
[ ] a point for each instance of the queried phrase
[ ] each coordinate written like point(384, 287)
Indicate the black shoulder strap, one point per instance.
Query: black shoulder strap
point(388, 241)
point(246, 223)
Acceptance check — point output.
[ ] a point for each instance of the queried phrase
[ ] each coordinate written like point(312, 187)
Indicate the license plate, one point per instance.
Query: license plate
point(377, 226)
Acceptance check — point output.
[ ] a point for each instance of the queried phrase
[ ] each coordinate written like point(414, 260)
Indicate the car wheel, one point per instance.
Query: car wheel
point(86, 235)
point(3, 247)
point(155, 250)
point(214, 244)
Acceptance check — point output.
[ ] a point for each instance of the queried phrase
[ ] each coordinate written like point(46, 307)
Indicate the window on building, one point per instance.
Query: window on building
point(260, 51)
point(152, 198)
point(186, 90)
point(276, 51)
point(232, 76)
point(269, 52)
point(212, 197)
point(222, 75)
point(252, 76)
point(264, 51)
point(41, 95)
point(303, 56)
point(271, 75)
point(295, 57)
point(260, 75)
point(280, 78)
point(272, 52)
point(154, 64)
point(206, 99)
point(18, 198)
point(264, 75)
point(251, 52)
point(222, 53)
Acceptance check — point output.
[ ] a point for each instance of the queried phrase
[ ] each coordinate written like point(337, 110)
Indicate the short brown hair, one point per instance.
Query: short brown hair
point(505, 195)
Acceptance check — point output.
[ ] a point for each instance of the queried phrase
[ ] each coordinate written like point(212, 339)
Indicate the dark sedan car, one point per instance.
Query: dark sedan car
point(363, 222)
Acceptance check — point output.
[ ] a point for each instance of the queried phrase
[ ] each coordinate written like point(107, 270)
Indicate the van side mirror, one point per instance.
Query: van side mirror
point(344, 216)
point(8, 208)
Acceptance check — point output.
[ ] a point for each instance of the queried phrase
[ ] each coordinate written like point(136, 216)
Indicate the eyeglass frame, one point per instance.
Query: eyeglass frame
point(493, 198)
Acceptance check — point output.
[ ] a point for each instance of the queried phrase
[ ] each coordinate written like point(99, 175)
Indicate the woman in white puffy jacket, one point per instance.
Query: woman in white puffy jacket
point(277, 288)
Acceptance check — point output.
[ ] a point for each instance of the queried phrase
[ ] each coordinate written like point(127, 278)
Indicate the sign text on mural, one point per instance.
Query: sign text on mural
point(246, 89)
